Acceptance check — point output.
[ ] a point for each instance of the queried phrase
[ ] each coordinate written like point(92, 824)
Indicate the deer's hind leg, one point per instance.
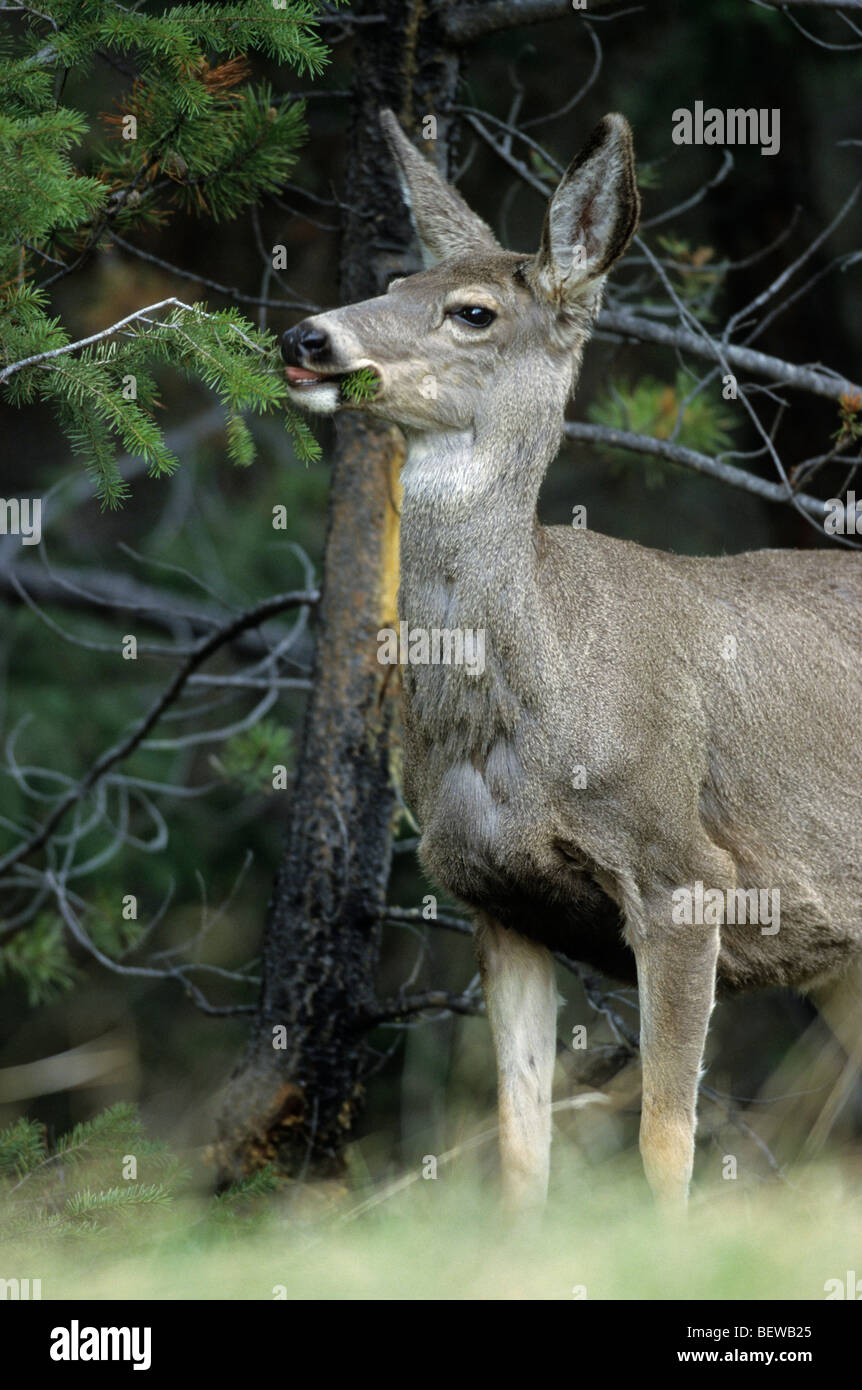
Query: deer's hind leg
point(839, 1003)
point(676, 984)
point(521, 1000)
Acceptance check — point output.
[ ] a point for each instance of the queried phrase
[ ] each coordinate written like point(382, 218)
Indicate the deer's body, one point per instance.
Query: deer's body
point(644, 721)
point(641, 696)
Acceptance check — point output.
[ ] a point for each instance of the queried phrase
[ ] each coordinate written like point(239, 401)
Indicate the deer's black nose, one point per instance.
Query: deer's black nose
point(305, 344)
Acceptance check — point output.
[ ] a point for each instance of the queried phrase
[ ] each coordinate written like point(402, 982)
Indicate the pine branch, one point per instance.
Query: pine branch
point(205, 139)
point(103, 333)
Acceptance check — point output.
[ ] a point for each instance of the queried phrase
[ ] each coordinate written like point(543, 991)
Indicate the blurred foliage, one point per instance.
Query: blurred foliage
point(690, 272)
point(39, 959)
point(648, 175)
point(662, 411)
point(72, 1186)
point(85, 1189)
point(71, 1218)
point(86, 1184)
point(251, 757)
point(850, 415)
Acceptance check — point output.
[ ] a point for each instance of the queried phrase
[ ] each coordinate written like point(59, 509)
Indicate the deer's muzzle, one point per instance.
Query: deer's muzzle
point(306, 349)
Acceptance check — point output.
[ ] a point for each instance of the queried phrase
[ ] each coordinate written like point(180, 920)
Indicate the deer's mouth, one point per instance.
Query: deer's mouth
point(302, 377)
point(353, 386)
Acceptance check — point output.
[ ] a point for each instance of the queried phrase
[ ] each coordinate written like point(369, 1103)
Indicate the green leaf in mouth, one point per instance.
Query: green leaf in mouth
point(360, 385)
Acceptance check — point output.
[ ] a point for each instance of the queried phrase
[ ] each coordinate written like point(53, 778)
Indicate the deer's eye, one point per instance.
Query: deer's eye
point(476, 315)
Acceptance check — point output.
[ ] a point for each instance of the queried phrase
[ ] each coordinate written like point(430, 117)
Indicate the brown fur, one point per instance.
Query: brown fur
point(600, 654)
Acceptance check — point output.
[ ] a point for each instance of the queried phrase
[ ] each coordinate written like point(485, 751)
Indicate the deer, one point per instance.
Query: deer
point(696, 772)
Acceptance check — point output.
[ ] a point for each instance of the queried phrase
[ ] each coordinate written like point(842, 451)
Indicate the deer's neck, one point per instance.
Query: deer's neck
point(469, 505)
point(467, 517)
point(469, 565)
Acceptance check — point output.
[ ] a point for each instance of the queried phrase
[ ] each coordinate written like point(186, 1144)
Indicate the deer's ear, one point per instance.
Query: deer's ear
point(592, 217)
point(444, 223)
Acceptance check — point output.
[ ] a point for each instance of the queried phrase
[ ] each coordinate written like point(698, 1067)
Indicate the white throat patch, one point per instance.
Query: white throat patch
point(442, 467)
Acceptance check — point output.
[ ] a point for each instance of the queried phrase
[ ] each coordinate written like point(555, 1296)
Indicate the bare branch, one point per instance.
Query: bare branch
point(227, 290)
point(145, 971)
point(695, 198)
point(781, 280)
point(465, 23)
point(824, 43)
point(390, 1010)
point(414, 914)
point(700, 463)
point(251, 618)
point(731, 1111)
point(582, 90)
point(104, 592)
point(519, 167)
point(810, 4)
point(814, 379)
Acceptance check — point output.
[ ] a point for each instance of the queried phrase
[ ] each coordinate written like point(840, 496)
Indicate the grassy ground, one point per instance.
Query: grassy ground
point(444, 1238)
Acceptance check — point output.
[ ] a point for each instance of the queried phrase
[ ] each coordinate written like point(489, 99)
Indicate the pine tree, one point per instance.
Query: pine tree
point(83, 1186)
point(192, 132)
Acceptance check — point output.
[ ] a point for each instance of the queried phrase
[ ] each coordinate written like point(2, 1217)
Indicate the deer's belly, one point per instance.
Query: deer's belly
point(500, 862)
point(481, 836)
point(465, 830)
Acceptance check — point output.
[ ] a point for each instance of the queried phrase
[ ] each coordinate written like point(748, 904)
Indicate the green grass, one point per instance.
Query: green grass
point(444, 1238)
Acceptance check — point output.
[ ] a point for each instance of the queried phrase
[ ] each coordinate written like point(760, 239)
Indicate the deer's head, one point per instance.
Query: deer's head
point(456, 340)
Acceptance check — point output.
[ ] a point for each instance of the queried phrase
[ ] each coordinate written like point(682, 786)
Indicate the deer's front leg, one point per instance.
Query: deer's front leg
point(521, 999)
point(676, 982)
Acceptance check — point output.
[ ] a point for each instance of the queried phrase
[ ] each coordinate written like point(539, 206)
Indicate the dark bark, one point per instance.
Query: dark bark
point(295, 1106)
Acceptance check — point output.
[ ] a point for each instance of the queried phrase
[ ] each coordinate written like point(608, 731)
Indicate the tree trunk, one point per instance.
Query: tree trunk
point(295, 1094)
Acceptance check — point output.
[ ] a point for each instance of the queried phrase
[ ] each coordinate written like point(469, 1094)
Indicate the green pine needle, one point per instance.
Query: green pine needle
point(361, 385)
point(208, 141)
